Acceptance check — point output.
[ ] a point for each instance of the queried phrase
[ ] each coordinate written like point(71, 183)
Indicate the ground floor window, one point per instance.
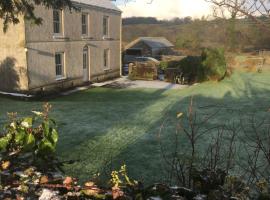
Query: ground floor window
point(59, 65)
point(106, 58)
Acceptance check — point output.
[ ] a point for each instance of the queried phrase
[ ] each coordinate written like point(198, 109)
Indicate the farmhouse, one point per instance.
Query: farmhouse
point(149, 47)
point(70, 48)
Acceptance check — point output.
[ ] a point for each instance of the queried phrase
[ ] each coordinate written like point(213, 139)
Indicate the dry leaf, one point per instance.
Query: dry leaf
point(179, 115)
point(116, 192)
point(68, 181)
point(5, 165)
point(43, 180)
point(89, 184)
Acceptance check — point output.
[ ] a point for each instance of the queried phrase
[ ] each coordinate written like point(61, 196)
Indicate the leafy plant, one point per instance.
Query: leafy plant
point(36, 135)
point(121, 178)
point(214, 63)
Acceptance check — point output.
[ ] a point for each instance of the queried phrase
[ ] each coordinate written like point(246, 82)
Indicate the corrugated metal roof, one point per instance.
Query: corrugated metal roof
point(99, 3)
point(152, 42)
point(156, 42)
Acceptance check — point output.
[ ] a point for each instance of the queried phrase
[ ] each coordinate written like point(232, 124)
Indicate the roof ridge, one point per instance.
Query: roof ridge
point(106, 4)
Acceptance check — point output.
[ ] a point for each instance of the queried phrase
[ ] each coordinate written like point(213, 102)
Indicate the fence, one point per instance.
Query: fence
point(143, 71)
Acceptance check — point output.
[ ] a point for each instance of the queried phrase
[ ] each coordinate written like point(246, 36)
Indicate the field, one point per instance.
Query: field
point(121, 126)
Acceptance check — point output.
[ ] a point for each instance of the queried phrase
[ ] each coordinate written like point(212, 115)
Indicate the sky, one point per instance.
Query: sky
point(165, 9)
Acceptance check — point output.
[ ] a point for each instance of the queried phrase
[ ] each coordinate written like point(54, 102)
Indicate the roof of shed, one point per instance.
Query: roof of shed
point(153, 42)
point(107, 4)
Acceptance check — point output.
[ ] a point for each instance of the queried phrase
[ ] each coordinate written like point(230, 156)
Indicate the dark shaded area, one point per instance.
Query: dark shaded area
point(9, 78)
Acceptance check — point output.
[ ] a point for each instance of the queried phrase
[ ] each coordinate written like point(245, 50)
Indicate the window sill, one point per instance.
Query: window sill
point(107, 69)
point(60, 37)
point(85, 37)
point(60, 78)
point(106, 38)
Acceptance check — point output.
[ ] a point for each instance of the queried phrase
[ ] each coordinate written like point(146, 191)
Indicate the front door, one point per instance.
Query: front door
point(86, 67)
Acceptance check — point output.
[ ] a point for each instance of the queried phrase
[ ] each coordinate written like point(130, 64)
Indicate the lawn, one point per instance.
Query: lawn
point(121, 126)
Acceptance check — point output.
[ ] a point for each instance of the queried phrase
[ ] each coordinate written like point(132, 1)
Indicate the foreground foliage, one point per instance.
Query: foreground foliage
point(36, 136)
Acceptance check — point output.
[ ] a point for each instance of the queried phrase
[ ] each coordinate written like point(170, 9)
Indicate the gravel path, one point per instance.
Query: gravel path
point(124, 82)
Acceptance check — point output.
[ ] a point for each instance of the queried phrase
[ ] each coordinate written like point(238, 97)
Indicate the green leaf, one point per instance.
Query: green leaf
point(3, 143)
point(46, 147)
point(29, 143)
point(46, 128)
point(54, 136)
point(20, 137)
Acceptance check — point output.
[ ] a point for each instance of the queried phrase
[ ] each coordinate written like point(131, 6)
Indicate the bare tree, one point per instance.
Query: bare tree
point(256, 10)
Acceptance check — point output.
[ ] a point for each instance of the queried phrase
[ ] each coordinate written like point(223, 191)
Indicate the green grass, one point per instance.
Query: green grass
point(122, 125)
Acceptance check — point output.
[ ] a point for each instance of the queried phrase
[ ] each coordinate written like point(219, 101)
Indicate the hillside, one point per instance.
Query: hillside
point(201, 33)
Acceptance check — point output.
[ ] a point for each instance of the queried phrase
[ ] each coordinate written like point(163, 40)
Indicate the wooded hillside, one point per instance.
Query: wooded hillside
point(195, 34)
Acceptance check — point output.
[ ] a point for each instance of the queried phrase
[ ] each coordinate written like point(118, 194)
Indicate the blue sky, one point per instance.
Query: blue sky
point(165, 9)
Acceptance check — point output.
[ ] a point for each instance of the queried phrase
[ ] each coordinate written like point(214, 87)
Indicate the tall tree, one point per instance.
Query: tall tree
point(230, 13)
point(11, 10)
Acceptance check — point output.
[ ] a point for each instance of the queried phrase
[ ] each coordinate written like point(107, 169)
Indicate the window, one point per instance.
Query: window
point(105, 26)
point(106, 58)
point(59, 65)
point(57, 21)
point(84, 24)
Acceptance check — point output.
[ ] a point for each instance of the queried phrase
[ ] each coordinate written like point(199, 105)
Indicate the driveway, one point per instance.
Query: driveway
point(124, 82)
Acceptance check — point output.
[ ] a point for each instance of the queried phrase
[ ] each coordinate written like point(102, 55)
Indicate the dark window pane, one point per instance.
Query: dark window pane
point(58, 64)
point(106, 58)
point(84, 24)
point(105, 25)
point(57, 21)
point(84, 29)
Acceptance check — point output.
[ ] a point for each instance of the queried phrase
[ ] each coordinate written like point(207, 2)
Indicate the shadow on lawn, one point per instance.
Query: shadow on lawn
point(126, 129)
point(144, 158)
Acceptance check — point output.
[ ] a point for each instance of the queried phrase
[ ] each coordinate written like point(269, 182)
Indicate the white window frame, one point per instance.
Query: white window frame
point(62, 65)
point(107, 18)
point(86, 24)
point(60, 22)
point(106, 59)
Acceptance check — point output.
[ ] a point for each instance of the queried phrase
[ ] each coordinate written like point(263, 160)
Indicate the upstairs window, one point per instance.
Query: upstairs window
point(57, 21)
point(59, 65)
point(106, 58)
point(84, 24)
point(105, 26)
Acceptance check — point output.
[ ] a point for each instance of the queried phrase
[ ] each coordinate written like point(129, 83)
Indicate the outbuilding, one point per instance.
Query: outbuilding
point(149, 47)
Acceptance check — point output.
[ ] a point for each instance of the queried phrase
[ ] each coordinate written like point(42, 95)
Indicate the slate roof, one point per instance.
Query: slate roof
point(107, 4)
point(152, 42)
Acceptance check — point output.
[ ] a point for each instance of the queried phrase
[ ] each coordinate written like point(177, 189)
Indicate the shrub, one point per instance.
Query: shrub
point(191, 68)
point(35, 136)
point(214, 63)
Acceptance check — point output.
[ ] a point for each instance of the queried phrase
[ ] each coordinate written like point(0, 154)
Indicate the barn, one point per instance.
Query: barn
point(149, 47)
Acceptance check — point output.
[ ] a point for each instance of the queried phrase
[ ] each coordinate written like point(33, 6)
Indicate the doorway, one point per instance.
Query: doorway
point(86, 65)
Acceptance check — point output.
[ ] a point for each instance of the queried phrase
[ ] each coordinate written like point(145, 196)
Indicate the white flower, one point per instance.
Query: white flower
point(37, 113)
point(25, 124)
